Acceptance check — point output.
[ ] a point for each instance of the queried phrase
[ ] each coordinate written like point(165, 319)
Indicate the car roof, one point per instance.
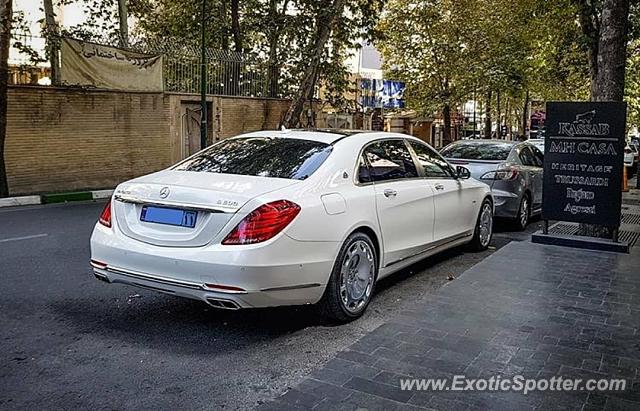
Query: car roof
point(483, 141)
point(327, 136)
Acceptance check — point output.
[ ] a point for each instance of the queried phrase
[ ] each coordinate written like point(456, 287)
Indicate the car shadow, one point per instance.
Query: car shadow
point(180, 325)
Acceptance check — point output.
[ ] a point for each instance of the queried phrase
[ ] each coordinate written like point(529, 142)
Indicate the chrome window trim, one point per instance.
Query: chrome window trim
point(357, 166)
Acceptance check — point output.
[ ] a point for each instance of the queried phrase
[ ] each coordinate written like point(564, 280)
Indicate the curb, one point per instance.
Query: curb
point(55, 198)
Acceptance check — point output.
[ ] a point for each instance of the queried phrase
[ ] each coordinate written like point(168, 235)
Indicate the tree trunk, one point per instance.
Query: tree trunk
point(324, 24)
point(609, 71)
point(612, 51)
point(235, 25)
point(588, 19)
point(124, 25)
point(5, 38)
point(224, 31)
point(446, 129)
point(487, 116)
point(52, 41)
point(274, 35)
point(525, 116)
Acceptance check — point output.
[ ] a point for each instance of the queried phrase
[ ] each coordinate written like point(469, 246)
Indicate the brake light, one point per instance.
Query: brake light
point(627, 151)
point(105, 216)
point(263, 223)
point(503, 174)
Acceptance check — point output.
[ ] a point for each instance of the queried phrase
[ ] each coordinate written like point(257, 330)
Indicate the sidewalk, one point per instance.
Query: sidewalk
point(529, 309)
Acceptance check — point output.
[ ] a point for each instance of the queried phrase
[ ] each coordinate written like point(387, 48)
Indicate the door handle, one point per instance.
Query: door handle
point(390, 193)
point(439, 187)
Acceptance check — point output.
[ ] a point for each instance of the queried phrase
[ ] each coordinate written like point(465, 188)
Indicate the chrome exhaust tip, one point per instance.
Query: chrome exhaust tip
point(102, 277)
point(222, 304)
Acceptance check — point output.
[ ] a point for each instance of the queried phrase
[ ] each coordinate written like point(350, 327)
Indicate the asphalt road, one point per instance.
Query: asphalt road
point(68, 341)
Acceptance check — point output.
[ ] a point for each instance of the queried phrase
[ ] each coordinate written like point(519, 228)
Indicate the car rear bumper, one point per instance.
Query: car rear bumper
point(506, 203)
point(232, 300)
point(283, 272)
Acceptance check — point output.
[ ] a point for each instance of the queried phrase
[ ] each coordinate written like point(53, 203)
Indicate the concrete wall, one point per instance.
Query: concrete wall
point(62, 139)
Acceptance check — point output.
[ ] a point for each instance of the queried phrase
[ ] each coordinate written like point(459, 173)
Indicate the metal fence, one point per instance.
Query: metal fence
point(228, 73)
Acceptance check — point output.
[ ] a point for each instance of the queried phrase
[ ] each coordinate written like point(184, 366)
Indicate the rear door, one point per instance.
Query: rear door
point(404, 201)
point(532, 165)
point(455, 207)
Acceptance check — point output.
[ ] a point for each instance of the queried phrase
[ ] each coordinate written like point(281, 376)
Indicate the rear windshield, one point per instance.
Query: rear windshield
point(260, 156)
point(484, 151)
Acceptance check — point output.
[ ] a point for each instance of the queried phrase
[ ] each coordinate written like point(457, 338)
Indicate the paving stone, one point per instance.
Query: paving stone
point(379, 389)
point(359, 401)
point(323, 390)
point(563, 312)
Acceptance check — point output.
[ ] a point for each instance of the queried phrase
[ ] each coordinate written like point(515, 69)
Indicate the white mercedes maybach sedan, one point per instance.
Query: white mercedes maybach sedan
point(289, 217)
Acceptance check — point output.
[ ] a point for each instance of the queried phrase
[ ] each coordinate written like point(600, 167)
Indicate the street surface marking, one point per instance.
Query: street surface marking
point(27, 237)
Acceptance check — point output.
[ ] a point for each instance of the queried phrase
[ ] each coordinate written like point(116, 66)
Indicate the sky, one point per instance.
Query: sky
point(69, 15)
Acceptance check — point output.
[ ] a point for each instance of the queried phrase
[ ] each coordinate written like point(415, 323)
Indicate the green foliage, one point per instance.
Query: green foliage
point(278, 31)
point(632, 87)
point(444, 49)
point(424, 44)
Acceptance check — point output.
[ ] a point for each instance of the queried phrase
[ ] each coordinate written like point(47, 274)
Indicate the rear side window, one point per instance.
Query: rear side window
point(431, 162)
point(526, 156)
point(388, 160)
point(477, 151)
point(539, 157)
point(260, 156)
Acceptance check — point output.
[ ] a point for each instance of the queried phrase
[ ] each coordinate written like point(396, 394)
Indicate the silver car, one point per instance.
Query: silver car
point(512, 169)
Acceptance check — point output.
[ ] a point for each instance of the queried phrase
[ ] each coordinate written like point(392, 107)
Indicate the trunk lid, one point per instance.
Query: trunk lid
point(214, 198)
point(477, 167)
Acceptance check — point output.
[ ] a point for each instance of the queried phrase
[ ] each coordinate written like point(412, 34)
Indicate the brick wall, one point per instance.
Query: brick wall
point(64, 139)
point(240, 115)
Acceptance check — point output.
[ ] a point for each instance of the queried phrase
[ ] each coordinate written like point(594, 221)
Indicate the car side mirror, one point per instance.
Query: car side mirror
point(463, 173)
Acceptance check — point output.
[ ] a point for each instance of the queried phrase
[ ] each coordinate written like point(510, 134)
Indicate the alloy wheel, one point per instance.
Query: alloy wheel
point(357, 276)
point(485, 225)
point(524, 212)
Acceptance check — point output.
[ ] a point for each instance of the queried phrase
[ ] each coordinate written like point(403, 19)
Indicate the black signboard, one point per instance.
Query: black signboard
point(583, 160)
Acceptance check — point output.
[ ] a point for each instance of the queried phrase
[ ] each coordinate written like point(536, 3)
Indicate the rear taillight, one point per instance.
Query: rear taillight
point(503, 174)
point(105, 216)
point(627, 151)
point(263, 223)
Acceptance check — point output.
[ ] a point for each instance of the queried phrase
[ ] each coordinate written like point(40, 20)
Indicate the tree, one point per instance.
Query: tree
point(5, 39)
point(327, 17)
point(605, 27)
point(425, 44)
point(123, 14)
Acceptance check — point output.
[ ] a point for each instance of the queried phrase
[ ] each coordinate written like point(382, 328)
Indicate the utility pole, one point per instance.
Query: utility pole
point(52, 41)
point(203, 80)
point(124, 25)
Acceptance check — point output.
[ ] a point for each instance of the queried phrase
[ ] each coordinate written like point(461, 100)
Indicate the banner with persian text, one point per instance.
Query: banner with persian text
point(89, 64)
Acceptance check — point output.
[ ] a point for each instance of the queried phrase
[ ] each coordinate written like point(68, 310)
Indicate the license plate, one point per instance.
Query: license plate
point(168, 216)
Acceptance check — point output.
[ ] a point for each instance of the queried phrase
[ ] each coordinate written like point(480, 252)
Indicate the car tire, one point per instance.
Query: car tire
point(524, 214)
point(484, 227)
point(352, 282)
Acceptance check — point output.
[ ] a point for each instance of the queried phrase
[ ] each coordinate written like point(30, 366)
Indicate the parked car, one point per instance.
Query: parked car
point(538, 142)
point(631, 159)
point(512, 169)
point(286, 218)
